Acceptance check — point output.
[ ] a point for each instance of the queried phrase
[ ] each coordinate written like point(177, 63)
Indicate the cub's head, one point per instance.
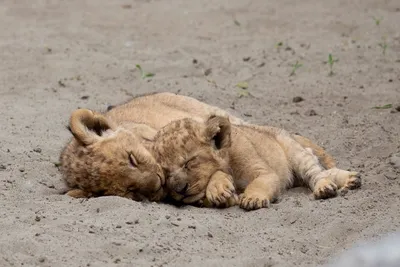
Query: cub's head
point(190, 152)
point(103, 159)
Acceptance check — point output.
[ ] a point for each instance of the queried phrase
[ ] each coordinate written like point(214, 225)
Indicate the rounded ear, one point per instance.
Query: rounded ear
point(218, 131)
point(87, 126)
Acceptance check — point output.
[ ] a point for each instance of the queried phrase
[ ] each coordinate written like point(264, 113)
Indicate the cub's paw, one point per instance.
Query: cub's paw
point(220, 190)
point(325, 188)
point(77, 193)
point(253, 201)
point(230, 202)
point(353, 181)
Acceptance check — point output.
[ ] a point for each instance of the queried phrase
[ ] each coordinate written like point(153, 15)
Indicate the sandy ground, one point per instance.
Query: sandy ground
point(59, 55)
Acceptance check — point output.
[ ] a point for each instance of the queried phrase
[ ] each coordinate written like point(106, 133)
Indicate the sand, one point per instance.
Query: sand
point(57, 56)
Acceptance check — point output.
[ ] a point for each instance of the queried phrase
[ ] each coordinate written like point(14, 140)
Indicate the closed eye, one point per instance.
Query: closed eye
point(187, 163)
point(132, 160)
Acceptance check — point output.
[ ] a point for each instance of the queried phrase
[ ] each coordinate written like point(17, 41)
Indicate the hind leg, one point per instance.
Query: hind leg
point(261, 191)
point(307, 167)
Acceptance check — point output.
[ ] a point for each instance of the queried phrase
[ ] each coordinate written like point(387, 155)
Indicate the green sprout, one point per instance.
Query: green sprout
point(242, 85)
point(384, 46)
point(331, 61)
point(377, 21)
point(384, 106)
point(295, 67)
point(144, 74)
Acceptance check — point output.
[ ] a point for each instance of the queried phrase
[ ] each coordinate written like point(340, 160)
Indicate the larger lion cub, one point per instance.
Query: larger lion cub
point(199, 156)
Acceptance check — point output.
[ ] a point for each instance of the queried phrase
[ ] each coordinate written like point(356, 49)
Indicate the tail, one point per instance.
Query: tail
point(324, 158)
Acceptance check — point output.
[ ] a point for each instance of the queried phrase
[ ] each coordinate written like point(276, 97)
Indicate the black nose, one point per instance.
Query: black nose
point(181, 189)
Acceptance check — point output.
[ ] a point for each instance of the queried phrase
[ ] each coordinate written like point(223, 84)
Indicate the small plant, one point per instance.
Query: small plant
point(243, 92)
point(384, 46)
point(242, 85)
point(144, 74)
point(384, 106)
point(377, 21)
point(331, 61)
point(295, 67)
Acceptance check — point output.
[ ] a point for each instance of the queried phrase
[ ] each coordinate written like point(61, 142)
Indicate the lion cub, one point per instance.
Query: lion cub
point(104, 159)
point(201, 158)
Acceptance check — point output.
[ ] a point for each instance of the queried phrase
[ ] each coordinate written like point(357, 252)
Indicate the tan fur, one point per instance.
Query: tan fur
point(263, 161)
point(96, 162)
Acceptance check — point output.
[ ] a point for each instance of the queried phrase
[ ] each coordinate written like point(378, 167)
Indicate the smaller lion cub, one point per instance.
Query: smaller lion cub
point(210, 160)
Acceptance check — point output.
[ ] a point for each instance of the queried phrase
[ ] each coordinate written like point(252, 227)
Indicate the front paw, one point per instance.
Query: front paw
point(325, 188)
point(254, 200)
point(220, 191)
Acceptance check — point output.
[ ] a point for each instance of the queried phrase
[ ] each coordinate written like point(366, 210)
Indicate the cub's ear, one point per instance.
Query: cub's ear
point(218, 131)
point(88, 126)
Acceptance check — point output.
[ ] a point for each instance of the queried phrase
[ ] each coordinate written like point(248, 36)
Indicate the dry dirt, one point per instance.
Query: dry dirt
point(59, 55)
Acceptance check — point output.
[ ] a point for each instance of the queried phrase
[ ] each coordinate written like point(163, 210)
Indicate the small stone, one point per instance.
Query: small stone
point(118, 226)
point(85, 97)
point(207, 72)
point(395, 160)
point(310, 112)
point(37, 150)
point(167, 217)
point(117, 261)
point(194, 61)
point(37, 218)
point(245, 59)
point(297, 99)
point(136, 221)
point(390, 176)
point(398, 108)
point(304, 249)
point(390, 80)
point(2, 167)
point(210, 235)
point(129, 223)
point(21, 169)
point(91, 232)
point(61, 83)
point(42, 259)
point(192, 227)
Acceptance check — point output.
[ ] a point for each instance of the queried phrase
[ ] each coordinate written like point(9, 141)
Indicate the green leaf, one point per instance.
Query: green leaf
point(383, 107)
point(144, 74)
point(242, 85)
point(148, 75)
point(139, 68)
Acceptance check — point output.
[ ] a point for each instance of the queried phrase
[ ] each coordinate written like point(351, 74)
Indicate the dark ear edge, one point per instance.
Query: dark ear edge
point(87, 126)
point(218, 131)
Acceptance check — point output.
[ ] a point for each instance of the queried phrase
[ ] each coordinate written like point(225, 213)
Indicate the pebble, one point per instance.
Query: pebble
point(297, 99)
point(310, 112)
point(395, 160)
